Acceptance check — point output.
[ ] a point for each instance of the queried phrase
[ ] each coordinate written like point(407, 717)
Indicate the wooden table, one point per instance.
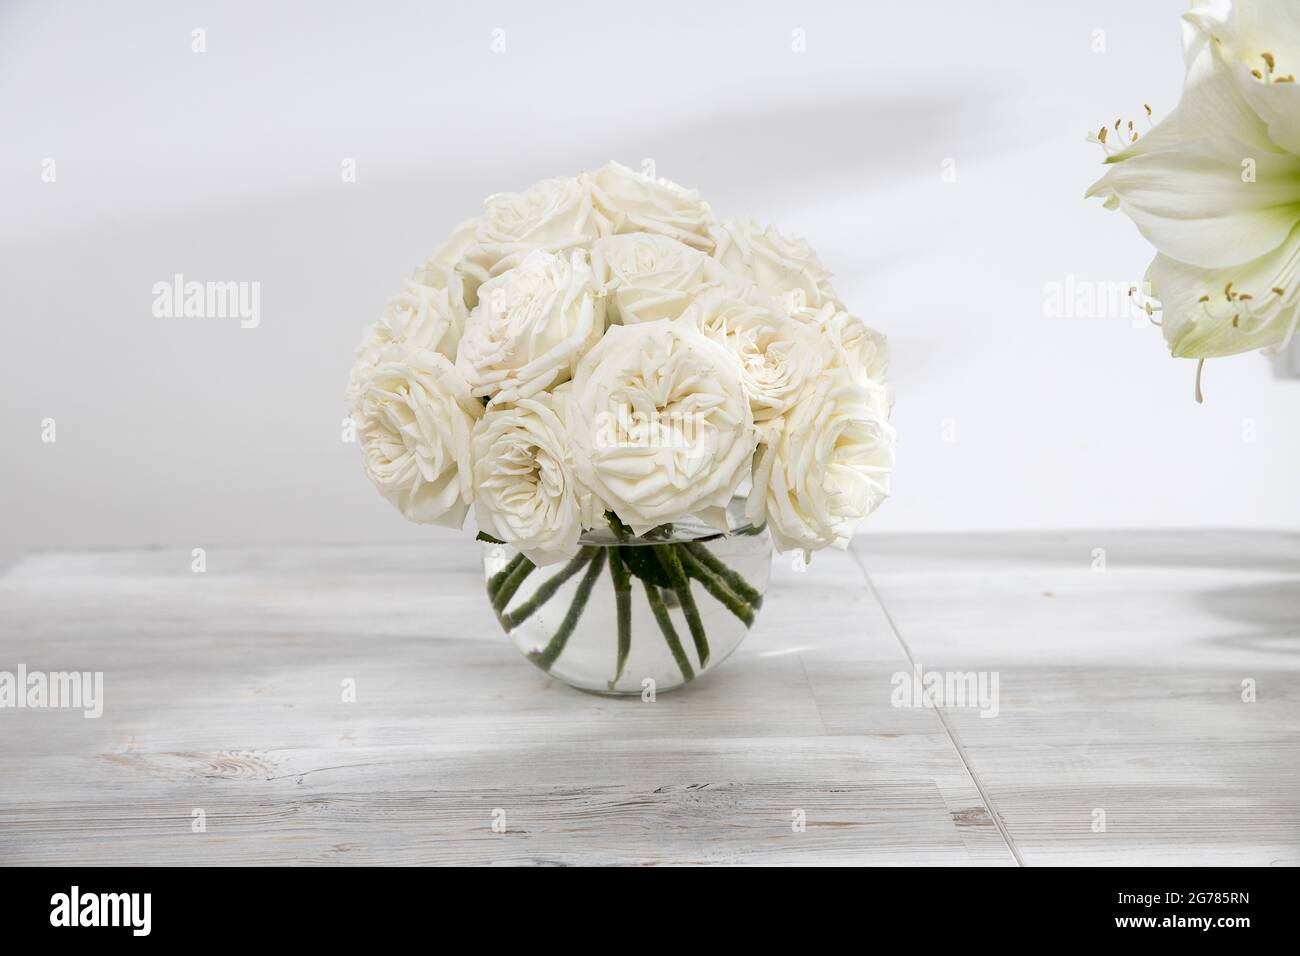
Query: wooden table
point(1121, 733)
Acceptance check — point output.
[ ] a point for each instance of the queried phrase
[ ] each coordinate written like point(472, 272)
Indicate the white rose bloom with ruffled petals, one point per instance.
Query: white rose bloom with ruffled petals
point(427, 318)
point(526, 493)
point(649, 277)
point(828, 468)
point(779, 358)
point(433, 271)
point(531, 326)
point(414, 414)
point(600, 344)
point(661, 424)
point(854, 346)
point(857, 347)
point(555, 215)
point(1215, 185)
point(628, 202)
point(418, 316)
point(785, 267)
point(373, 342)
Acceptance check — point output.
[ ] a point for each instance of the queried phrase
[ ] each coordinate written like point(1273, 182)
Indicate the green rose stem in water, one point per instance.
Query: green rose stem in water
point(511, 584)
point(546, 657)
point(715, 587)
point(513, 619)
point(733, 580)
point(666, 572)
point(681, 585)
point(623, 532)
point(623, 601)
point(498, 579)
point(666, 625)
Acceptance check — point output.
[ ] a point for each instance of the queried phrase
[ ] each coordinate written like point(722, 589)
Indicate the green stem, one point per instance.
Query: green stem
point(717, 588)
point(498, 579)
point(622, 531)
point(511, 584)
point(672, 565)
point(666, 625)
point(547, 656)
point(733, 580)
point(623, 602)
point(513, 619)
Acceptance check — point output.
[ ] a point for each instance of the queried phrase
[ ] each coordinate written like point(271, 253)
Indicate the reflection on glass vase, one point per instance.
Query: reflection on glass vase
point(628, 613)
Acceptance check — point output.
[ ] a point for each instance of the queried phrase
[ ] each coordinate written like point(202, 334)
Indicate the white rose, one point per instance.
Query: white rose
point(782, 266)
point(373, 342)
point(447, 257)
point(554, 214)
point(661, 425)
point(427, 318)
point(531, 326)
point(627, 201)
point(828, 467)
point(525, 491)
point(859, 348)
point(418, 316)
point(854, 346)
point(779, 358)
point(414, 414)
point(649, 277)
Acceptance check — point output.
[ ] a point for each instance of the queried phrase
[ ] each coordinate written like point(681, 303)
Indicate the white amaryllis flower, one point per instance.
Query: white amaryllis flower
point(648, 277)
point(555, 215)
point(828, 468)
point(414, 414)
point(661, 424)
point(525, 491)
point(1215, 186)
point(530, 327)
point(779, 357)
point(627, 202)
point(783, 266)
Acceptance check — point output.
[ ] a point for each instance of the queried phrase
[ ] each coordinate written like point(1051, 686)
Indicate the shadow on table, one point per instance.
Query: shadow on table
point(1271, 609)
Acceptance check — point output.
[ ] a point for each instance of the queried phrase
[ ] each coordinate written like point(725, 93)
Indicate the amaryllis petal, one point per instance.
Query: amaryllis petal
point(1278, 105)
point(1209, 313)
point(1204, 204)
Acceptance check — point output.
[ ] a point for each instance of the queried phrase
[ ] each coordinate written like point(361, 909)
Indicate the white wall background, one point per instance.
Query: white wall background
point(226, 166)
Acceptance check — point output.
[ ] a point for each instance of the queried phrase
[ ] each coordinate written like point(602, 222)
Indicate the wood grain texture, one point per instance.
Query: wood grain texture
point(223, 693)
point(1120, 690)
point(1121, 659)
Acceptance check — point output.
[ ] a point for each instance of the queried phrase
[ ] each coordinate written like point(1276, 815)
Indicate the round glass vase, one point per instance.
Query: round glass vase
point(633, 613)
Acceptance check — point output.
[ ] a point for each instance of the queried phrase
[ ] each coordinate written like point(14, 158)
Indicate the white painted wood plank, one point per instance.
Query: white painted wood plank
point(223, 693)
point(1120, 689)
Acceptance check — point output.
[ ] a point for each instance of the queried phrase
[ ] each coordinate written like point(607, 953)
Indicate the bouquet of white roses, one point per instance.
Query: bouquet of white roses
point(598, 352)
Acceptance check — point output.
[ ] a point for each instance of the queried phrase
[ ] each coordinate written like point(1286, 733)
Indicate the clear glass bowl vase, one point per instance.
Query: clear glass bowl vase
point(631, 615)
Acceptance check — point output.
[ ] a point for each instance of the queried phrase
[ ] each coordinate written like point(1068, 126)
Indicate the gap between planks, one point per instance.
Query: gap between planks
point(943, 718)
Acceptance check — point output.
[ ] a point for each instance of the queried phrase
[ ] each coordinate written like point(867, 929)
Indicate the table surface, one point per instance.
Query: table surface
point(1125, 731)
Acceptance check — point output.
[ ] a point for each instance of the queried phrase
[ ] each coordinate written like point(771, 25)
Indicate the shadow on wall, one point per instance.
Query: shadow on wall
point(799, 152)
point(196, 430)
